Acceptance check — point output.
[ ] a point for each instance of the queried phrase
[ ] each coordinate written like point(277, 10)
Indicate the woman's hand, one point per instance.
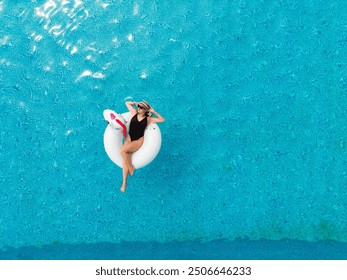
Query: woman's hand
point(130, 106)
point(158, 118)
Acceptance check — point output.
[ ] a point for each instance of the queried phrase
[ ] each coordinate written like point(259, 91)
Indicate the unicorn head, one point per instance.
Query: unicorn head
point(116, 121)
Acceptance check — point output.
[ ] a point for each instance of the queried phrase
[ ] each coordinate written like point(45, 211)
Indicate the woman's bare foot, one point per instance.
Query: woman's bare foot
point(122, 189)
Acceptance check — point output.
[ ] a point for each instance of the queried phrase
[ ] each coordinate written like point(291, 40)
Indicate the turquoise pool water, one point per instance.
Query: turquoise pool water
point(254, 144)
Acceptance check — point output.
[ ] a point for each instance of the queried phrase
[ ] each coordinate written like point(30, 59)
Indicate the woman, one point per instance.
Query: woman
point(140, 118)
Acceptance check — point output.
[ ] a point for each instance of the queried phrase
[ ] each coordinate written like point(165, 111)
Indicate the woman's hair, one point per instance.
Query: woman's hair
point(144, 104)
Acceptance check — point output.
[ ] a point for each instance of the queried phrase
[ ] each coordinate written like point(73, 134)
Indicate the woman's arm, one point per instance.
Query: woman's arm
point(130, 105)
point(158, 119)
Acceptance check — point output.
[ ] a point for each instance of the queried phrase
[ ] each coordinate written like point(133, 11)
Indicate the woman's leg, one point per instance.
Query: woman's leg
point(128, 163)
point(125, 177)
point(125, 166)
point(126, 160)
point(127, 156)
point(129, 147)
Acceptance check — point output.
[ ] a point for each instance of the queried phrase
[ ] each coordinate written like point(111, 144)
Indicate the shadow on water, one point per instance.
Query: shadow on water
point(190, 250)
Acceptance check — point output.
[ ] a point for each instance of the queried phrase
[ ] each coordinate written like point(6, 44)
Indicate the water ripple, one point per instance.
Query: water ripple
point(60, 19)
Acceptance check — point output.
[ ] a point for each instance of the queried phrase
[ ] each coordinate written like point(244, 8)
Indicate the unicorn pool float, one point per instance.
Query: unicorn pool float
point(117, 129)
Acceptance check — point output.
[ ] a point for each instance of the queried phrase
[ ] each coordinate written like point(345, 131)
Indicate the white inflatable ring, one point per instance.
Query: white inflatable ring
point(115, 132)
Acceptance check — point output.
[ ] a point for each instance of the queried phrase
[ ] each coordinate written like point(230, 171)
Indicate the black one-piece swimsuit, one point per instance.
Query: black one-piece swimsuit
point(137, 128)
